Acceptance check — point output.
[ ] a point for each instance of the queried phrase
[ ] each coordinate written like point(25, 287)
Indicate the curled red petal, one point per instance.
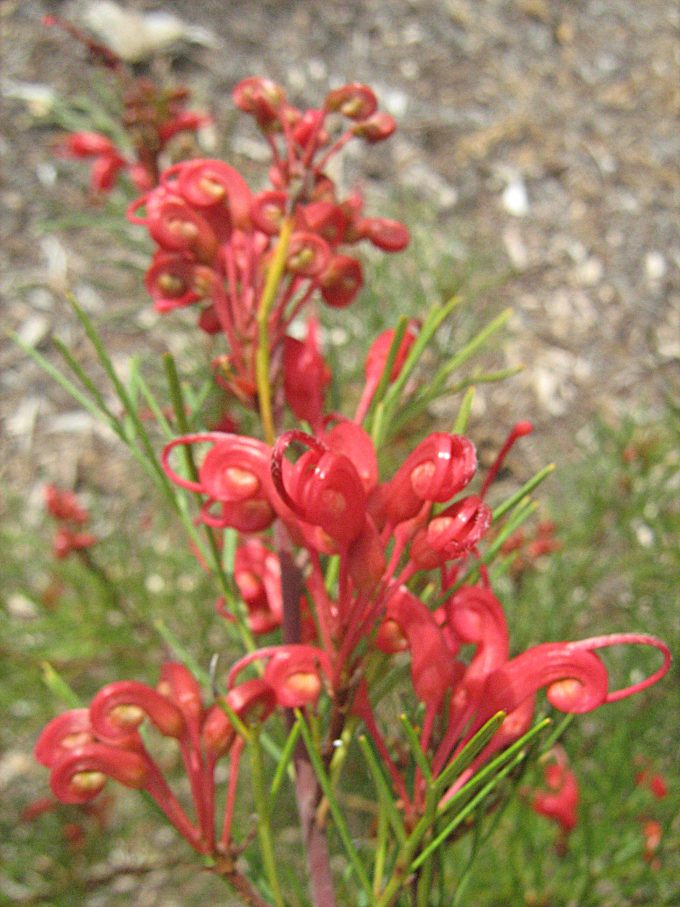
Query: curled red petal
point(432, 667)
point(268, 210)
point(452, 533)
point(475, 615)
point(178, 684)
point(79, 775)
point(439, 467)
point(327, 219)
point(104, 171)
point(174, 281)
point(85, 144)
point(295, 675)
point(340, 282)
point(252, 702)
point(576, 680)
point(355, 443)
point(355, 101)
point(262, 98)
point(308, 254)
point(64, 733)
point(388, 235)
point(232, 469)
point(177, 227)
point(118, 709)
point(376, 128)
point(208, 183)
point(628, 639)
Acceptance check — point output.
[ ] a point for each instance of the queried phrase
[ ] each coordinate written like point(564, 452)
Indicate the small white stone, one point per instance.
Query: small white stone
point(515, 198)
point(655, 266)
point(590, 272)
point(395, 102)
point(21, 607)
point(317, 69)
point(644, 535)
point(155, 583)
point(515, 247)
point(33, 330)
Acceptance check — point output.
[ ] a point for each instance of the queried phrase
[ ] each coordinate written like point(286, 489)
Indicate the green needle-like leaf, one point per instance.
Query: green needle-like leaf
point(339, 819)
point(385, 797)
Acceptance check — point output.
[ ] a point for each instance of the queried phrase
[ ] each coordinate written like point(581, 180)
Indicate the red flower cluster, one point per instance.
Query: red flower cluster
point(70, 517)
point(386, 534)
point(151, 117)
point(84, 747)
point(364, 568)
point(216, 239)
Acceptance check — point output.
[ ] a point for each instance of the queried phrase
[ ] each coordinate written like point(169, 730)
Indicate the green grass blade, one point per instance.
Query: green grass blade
point(495, 765)
point(465, 812)
point(468, 350)
point(385, 797)
point(415, 747)
point(521, 493)
point(283, 762)
point(463, 416)
point(340, 822)
point(84, 378)
point(469, 752)
point(56, 684)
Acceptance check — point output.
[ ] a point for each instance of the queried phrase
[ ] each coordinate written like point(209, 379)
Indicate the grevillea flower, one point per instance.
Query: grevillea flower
point(323, 488)
point(217, 240)
point(652, 781)
point(85, 747)
point(234, 474)
point(296, 673)
point(451, 534)
point(151, 116)
point(70, 517)
point(438, 468)
point(64, 505)
point(560, 801)
point(257, 573)
point(652, 831)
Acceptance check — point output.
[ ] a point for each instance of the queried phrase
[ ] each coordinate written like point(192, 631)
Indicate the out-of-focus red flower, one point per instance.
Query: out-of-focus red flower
point(63, 505)
point(652, 831)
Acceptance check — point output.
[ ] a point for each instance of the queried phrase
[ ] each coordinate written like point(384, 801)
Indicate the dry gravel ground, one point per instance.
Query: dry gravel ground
point(541, 132)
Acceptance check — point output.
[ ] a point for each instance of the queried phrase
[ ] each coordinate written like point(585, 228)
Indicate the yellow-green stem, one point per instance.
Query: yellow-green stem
point(262, 356)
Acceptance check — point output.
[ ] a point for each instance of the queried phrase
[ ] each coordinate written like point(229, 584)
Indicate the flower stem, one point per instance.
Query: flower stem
point(262, 354)
point(307, 790)
point(264, 829)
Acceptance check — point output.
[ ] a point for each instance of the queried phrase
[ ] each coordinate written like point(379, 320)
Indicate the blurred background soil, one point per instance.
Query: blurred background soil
point(541, 135)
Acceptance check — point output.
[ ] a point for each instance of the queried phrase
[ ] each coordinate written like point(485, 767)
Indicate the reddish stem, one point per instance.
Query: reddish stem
point(307, 791)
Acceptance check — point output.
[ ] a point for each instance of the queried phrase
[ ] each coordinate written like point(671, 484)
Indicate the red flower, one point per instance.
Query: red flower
point(560, 801)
